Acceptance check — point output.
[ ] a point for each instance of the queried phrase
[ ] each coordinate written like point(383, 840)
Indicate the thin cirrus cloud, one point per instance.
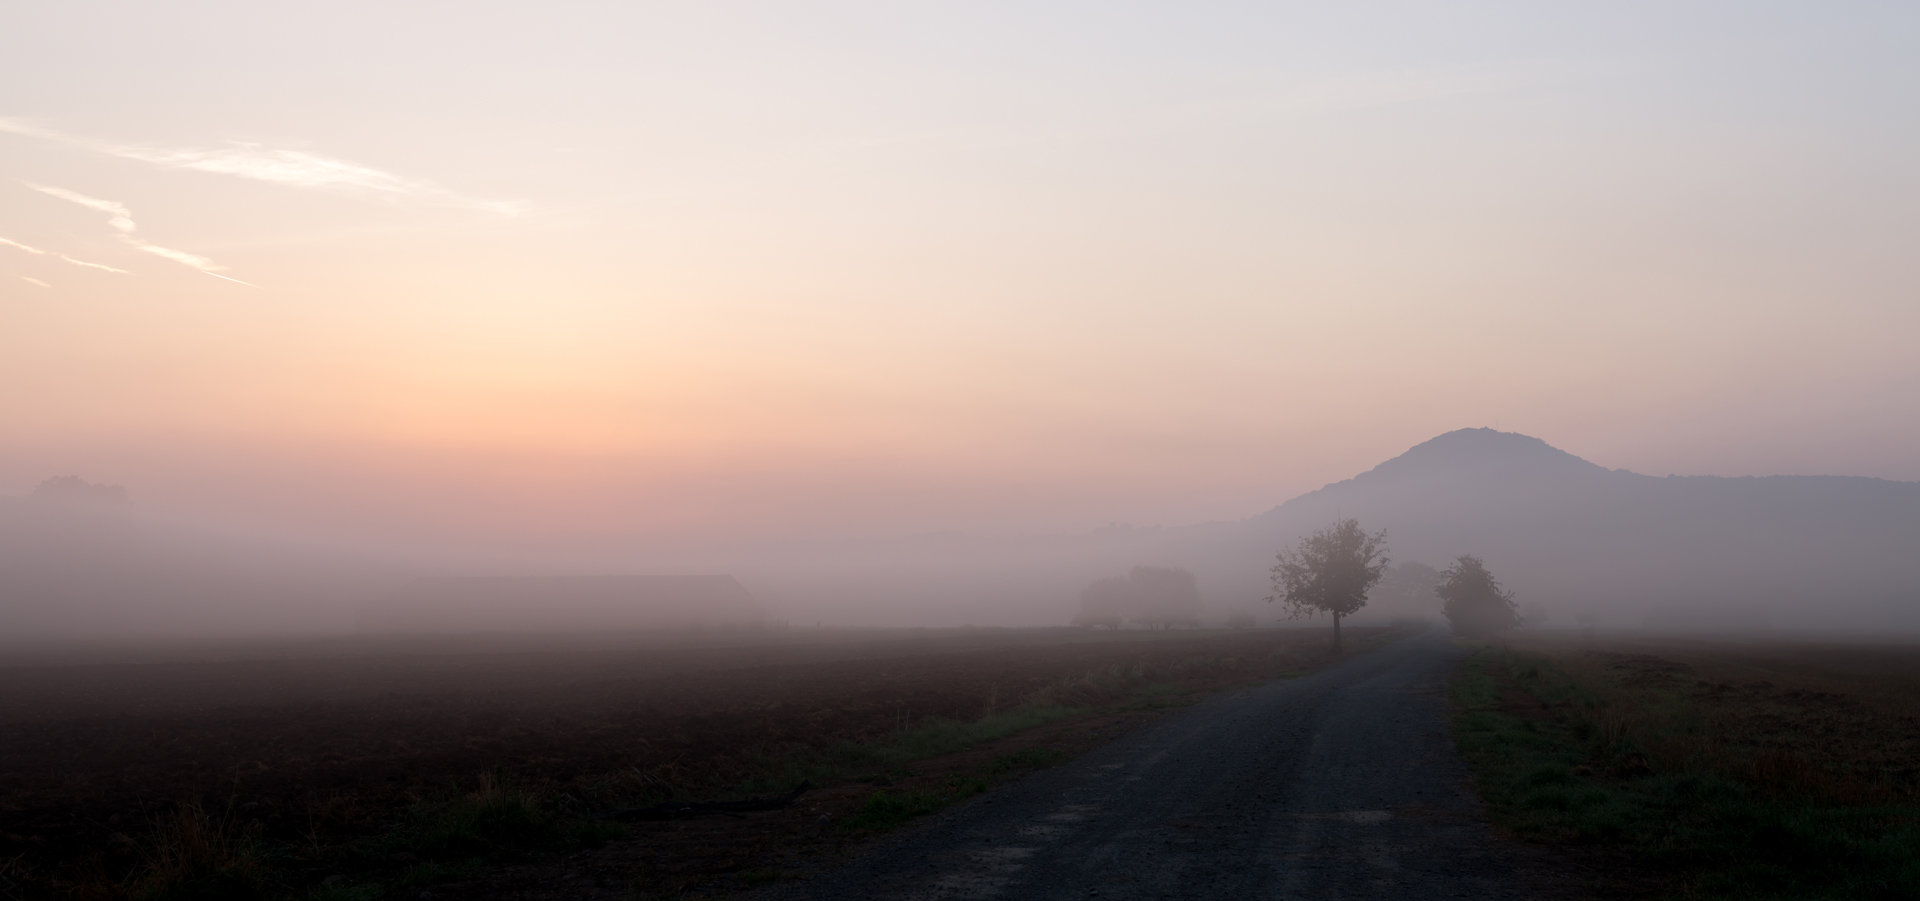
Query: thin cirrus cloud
point(121, 219)
point(48, 253)
point(35, 281)
point(293, 168)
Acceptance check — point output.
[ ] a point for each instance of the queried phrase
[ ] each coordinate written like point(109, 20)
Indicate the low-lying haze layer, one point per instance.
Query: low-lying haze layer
point(1572, 538)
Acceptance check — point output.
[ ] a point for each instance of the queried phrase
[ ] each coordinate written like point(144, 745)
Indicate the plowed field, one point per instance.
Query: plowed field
point(308, 745)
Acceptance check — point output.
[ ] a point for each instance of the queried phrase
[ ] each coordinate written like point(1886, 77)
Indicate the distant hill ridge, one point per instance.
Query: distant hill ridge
point(1479, 450)
point(1570, 532)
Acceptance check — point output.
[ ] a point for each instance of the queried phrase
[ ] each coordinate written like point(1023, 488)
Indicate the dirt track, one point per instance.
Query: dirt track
point(1342, 784)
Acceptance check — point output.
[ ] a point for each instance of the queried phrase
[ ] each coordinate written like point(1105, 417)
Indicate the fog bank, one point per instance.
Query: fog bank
point(1570, 537)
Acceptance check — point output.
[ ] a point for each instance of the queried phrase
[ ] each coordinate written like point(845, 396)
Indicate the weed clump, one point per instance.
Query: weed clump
point(497, 819)
point(191, 854)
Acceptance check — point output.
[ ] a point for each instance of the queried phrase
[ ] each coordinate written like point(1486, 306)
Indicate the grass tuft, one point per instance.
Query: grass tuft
point(1629, 755)
point(497, 816)
point(191, 854)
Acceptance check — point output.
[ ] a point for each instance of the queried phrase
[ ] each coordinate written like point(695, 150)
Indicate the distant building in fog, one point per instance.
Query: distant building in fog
point(564, 604)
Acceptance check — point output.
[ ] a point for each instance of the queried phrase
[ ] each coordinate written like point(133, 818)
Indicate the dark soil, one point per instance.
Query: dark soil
point(306, 747)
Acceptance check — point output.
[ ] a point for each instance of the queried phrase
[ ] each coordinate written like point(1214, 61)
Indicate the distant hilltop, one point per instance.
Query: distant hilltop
point(1792, 550)
point(564, 604)
point(74, 489)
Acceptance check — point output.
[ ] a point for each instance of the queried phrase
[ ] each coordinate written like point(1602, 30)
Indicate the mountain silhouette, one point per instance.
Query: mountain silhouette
point(1477, 451)
point(1802, 550)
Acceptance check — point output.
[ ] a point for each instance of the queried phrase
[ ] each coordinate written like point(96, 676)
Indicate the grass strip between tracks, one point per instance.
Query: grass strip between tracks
point(1708, 788)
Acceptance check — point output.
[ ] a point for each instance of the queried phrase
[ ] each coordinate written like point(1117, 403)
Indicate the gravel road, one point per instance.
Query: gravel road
point(1341, 784)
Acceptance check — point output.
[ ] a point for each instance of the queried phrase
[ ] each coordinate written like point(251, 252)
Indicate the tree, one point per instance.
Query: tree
point(1240, 619)
point(1157, 597)
point(1476, 605)
point(1097, 620)
point(1104, 603)
point(1536, 614)
point(1166, 597)
point(1330, 572)
point(1406, 590)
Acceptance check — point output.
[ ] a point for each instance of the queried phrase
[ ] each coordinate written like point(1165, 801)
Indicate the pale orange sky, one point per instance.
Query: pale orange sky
point(560, 269)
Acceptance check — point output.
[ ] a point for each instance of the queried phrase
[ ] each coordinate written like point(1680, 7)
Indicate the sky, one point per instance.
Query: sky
point(545, 273)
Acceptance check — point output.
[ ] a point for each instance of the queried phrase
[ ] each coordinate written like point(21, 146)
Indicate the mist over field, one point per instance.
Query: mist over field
point(1573, 539)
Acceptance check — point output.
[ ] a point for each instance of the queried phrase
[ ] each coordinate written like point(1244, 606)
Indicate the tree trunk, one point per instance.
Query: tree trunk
point(1336, 633)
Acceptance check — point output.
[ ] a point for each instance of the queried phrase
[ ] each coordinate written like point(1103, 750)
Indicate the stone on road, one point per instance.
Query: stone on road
point(1340, 784)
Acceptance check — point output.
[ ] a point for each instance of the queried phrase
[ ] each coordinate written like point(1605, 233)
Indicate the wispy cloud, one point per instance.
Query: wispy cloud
point(293, 168)
point(179, 256)
point(48, 253)
point(121, 219)
point(28, 129)
point(88, 265)
point(35, 281)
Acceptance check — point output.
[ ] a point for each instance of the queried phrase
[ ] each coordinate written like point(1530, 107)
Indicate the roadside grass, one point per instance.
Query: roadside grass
point(1103, 689)
point(453, 833)
point(883, 811)
point(456, 831)
point(1709, 784)
point(195, 855)
point(498, 818)
point(191, 854)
